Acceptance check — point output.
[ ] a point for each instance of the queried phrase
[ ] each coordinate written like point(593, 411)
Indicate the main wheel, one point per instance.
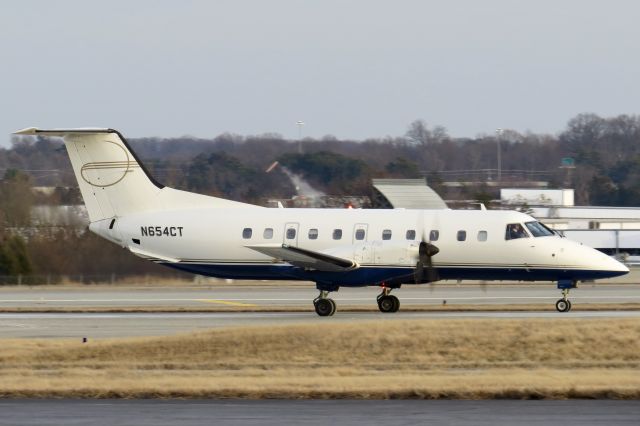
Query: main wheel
point(569, 302)
point(396, 304)
point(563, 305)
point(325, 307)
point(388, 304)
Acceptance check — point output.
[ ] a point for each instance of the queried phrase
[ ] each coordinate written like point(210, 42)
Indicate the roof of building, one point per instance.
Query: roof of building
point(409, 193)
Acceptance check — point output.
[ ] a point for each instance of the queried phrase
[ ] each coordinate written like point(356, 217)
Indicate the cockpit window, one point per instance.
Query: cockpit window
point(515, 231)
point(538, 230)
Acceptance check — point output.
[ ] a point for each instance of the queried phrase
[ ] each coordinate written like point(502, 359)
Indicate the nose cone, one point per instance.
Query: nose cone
point(616, 267)
point(607, 266)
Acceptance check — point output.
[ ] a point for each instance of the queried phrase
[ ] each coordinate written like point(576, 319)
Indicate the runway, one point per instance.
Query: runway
point(111, 325)
point(100, 325)
point(301, 295)
point(278, 412)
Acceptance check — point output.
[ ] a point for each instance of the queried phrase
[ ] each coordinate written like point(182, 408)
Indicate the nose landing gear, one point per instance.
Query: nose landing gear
point(564, 304)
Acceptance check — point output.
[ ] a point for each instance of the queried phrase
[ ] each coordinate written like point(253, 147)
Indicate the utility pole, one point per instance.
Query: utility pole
point(300, 124)
point(498, 140)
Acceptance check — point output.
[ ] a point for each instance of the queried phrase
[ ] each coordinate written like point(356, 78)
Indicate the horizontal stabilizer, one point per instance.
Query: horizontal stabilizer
point(61, 132)
point(306, 258)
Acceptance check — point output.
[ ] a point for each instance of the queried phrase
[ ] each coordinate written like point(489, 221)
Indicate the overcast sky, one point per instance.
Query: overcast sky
point(353, 69)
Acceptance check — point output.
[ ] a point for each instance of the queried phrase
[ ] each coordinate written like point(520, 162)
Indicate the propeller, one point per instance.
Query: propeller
point(424, 266)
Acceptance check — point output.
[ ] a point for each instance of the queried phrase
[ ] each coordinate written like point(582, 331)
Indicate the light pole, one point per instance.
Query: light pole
point(300, 124)
point(498, 140)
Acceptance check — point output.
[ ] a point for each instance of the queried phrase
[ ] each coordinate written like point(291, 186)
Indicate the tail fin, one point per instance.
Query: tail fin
point(112, 180)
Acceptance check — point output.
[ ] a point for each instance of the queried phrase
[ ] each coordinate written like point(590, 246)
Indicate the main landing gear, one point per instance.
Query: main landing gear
point(387, 303)
point(325, 307)
point(564, 304)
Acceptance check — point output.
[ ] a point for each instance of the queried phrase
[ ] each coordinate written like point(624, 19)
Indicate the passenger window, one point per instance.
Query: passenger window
point(360, 234)
point(337, 234)
point(268, 233)
point(313, 234)
point(246, 233)
point(462, 235)
point(291, 233)
point(411, 234)
point(515, 231)
point(482, 235)
point(386, 234)
point(434, 235)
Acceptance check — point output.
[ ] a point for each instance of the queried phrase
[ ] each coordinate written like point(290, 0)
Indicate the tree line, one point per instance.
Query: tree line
point(606, 154)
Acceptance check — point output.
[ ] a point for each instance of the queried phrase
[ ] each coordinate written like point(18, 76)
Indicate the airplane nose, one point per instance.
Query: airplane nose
point(611, 265)
point(617, 266)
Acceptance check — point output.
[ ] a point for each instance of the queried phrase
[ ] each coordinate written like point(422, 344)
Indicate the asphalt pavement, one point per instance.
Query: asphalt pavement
point(342, 412)
point(289, 295)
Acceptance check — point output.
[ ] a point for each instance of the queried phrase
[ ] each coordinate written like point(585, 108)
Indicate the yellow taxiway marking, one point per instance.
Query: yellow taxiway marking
point(225, 302)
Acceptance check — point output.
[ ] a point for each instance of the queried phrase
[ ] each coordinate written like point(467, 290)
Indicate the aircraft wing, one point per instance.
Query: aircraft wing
point(306, 258)
point(152, 256)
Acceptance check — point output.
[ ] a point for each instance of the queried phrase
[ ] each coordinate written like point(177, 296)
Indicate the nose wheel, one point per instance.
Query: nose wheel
point(564, 304)
point(387, 303)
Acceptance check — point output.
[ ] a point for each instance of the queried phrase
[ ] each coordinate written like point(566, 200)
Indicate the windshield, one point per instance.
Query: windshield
point(538, 230)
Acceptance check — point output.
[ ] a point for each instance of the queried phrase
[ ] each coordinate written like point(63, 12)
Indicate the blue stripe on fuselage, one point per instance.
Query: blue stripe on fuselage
point(365, 276)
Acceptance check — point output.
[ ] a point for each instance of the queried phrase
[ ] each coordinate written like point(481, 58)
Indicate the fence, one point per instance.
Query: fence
point(88, 279)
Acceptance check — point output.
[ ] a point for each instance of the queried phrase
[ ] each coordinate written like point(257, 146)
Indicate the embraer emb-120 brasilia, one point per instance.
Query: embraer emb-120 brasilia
point(331, 247)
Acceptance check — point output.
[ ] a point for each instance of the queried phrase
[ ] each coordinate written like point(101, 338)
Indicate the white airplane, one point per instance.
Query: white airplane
point(332, 247)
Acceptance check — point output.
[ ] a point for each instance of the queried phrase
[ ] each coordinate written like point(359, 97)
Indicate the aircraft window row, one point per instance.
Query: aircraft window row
point(360, 234)
point(515, 231)
point(537, 229)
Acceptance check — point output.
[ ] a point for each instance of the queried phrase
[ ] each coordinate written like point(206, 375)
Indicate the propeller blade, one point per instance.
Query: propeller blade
point(424, 267)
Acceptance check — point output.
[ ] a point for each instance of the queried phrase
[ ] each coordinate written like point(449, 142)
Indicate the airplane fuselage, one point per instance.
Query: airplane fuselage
point(472, 244)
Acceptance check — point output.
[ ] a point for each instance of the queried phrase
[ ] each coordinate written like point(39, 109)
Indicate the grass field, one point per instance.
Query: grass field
point(480, 358)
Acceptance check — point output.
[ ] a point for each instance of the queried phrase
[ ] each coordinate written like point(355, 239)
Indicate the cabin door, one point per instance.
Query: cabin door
point(291, 234)
point(362, 253)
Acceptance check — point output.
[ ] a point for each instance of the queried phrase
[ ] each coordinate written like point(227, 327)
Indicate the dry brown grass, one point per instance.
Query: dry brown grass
point(483, 358)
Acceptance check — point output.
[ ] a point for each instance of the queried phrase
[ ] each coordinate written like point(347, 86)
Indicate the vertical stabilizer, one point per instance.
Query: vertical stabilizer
point(112, 180)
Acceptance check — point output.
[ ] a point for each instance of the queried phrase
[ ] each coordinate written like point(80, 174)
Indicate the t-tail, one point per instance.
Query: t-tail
point(114, 182)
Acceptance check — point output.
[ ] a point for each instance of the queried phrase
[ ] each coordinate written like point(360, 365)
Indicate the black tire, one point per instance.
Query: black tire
point(386, 304)
point(563, 305)
point(325, 307)
point(334, 307)
point(396, 304)
point(569, 302)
